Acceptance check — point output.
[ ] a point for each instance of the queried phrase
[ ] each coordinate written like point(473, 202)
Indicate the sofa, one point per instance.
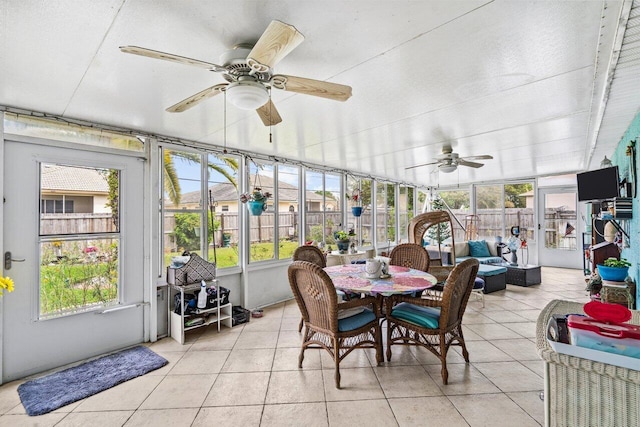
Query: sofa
point(486, 252)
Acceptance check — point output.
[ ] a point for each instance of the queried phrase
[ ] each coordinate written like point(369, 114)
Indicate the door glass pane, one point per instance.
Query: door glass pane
point(78, 200)
point(560, 221)
point(77, 275)
point(519, 205)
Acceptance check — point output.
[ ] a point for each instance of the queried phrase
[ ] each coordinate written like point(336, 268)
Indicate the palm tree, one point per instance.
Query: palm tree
point(171, 182)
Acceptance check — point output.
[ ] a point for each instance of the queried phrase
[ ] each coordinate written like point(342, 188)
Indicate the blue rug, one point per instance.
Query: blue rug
point(49, 393)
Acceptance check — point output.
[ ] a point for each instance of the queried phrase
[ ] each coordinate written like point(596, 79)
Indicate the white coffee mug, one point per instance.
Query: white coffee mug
point(373, 268)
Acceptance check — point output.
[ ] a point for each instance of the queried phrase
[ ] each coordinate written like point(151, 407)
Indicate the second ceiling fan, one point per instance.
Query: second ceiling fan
point(449, 161)
point(248, 70)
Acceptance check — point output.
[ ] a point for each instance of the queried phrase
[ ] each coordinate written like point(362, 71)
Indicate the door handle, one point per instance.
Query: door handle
point(8, 260)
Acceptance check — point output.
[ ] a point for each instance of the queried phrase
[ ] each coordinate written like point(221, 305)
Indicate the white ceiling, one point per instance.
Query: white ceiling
point(526, 82)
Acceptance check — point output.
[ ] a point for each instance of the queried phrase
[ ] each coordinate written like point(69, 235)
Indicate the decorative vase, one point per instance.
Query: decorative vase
point(356, 211)
point(343, 246)
point(256, 208)
point(514, 258)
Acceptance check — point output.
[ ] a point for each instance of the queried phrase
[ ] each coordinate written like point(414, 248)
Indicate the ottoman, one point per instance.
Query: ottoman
point(495, 277)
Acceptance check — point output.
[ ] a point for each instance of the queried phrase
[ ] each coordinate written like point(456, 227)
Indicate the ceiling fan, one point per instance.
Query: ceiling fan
point(449, 161)
point(248, 70)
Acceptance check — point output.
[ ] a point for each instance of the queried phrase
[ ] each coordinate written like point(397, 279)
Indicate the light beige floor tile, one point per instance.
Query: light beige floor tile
point(297, 414)
point(463, 379)
point(504, 316)
point(295, 387)
point(537, 366)
point(371, 413)
point(126, 396)
point(168, 344)
point(241, 416)
point(356, 359)
point(470, 318)
point(493, 331)
point(200, 362)
point(249, 360)
point(249, 339)
point(530, 401)
point(95, 419)
point(527, 329)
point(46, 420)
point(483, 351)
point(263, 324)
point(355, 384)
point(491, 410)
point(406, 381)
point(531, 315)
point(9, 397)
point(286, 359)
point(172, 357)
point(289, 339)
point(238, 388)
point(520, 349)
point(425, 357)
point(401, 355)
point(163, 417)
point(180, 391)
point(434, 411)
point(222, 341)
point(510, 376)
point(290, 324)
point(469, 335)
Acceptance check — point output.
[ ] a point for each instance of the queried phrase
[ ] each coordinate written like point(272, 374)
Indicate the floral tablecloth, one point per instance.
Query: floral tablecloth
point(402, 280)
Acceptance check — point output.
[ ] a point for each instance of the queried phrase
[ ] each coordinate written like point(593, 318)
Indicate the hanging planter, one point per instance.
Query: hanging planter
point(256, 207)
point(356, 211)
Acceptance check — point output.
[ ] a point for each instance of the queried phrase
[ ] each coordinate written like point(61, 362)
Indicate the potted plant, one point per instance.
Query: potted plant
point(356, 210)
point(342, 240)
point(256, 200)
point(614, 269)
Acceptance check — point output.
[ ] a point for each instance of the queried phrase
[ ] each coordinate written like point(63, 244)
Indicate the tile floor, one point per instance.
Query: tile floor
point(248, 376)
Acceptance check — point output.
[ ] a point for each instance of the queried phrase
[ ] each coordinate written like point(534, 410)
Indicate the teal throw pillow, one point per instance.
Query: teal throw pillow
point(478, 248)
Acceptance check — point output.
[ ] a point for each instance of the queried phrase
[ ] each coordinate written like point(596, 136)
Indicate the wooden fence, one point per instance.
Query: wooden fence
point(76, 223)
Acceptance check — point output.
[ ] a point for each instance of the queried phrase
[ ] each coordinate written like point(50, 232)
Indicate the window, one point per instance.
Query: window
point(262, 231)
point(385, 213)
point(500, 207)
point(359, 195)
point(225, 208)
point(223, 227)
point(288, 210)
point(405, 212)
point(458, 205)
point(323, 199)
point(79, 265)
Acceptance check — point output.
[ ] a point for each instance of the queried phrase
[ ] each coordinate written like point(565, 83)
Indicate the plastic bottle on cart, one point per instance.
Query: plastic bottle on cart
point(202, 296)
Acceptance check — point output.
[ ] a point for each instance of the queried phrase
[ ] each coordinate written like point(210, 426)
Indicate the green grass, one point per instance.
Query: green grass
point(228, 257)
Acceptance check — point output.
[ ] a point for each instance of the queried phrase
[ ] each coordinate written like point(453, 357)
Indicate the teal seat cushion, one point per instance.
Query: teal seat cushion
point(427, 317)
point(478, 248)
point(485, 270)
point(481, 260)
point(357, 321)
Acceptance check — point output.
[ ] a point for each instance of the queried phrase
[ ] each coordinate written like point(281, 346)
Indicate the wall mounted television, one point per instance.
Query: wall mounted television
point(599, 184)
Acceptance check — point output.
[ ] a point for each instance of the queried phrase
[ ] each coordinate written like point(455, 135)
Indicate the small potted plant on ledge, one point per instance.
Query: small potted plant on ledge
point(256, 200)
point(613, 269)
point(342, 240)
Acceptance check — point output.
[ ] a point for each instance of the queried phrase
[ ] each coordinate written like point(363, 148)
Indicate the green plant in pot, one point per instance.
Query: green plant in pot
point(342, 240)
point(614, 269)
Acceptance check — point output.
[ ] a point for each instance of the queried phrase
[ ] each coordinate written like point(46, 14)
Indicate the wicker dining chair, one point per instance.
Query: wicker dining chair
point(311, 254)
point(318, 301)
point(435, 324)
point(410, 255)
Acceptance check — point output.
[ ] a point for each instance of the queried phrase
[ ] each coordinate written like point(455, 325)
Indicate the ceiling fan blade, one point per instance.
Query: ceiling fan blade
point(423, 164)
point(482, 157)
point(470, 164)
point(334, 91)
point(277, 41)
point(269, 114)
point(136, 50)
point(189, 102)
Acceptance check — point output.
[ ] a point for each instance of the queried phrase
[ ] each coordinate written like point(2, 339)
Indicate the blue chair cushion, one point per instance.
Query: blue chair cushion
point(478, 248)
point(427, 317)
point(479, 283)
point(357, 321)
point(485, 270)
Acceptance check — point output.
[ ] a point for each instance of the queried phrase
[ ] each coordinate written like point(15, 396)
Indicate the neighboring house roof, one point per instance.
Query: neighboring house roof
point(67, 178)
point(227, 192)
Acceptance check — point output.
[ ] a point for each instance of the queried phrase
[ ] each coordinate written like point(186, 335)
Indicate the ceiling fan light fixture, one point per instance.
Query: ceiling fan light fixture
point(247, 95)
point(447, 167)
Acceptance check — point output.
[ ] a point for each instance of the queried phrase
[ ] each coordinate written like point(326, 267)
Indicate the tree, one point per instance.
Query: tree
point(440, 231)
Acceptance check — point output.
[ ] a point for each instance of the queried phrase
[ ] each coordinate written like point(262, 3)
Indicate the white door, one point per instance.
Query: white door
point(79, 284)
point(559, 231)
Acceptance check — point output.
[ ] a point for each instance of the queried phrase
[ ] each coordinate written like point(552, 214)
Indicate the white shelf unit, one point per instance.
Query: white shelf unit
point(221, 314)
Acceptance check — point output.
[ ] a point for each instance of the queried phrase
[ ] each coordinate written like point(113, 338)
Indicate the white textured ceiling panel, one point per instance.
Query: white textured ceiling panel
point(527, 82)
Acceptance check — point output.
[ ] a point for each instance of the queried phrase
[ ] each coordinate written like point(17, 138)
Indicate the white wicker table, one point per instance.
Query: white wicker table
point(581, 392)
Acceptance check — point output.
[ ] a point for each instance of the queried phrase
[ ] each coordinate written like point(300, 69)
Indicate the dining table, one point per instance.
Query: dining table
point(352, 278)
